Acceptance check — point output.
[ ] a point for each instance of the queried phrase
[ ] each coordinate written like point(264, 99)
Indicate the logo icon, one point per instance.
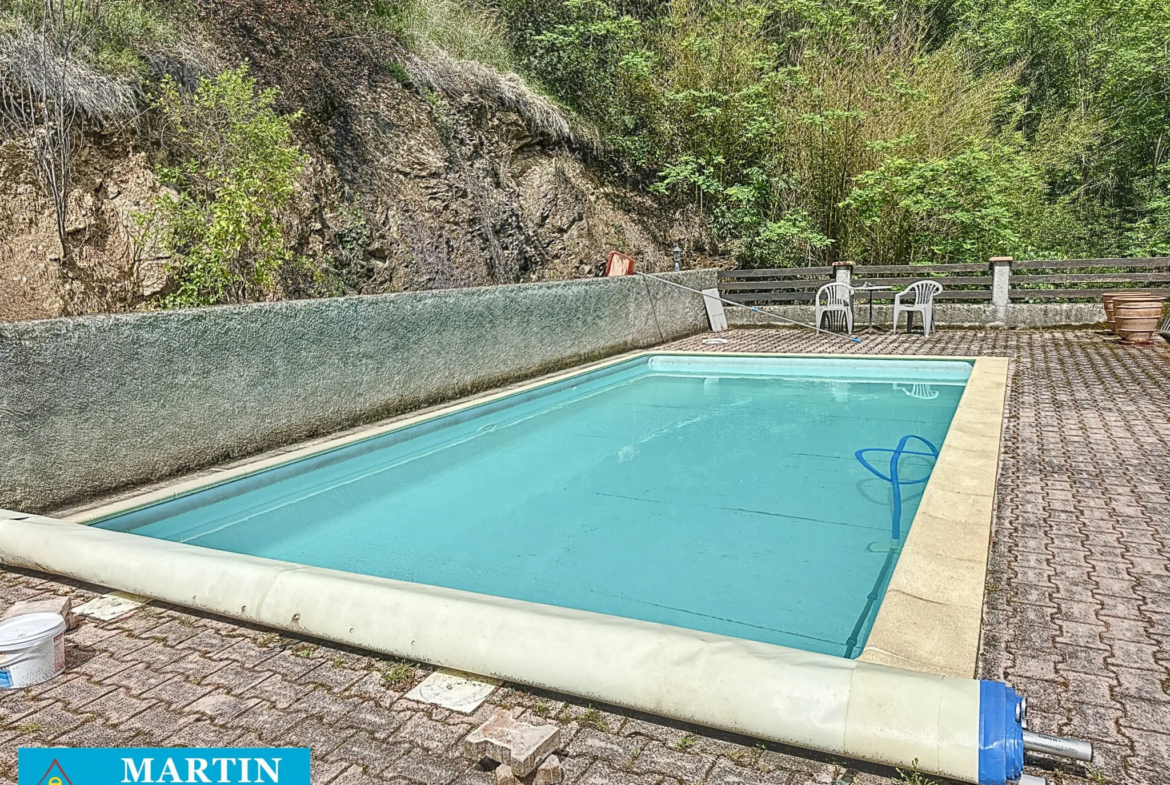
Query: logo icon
point(60, 778)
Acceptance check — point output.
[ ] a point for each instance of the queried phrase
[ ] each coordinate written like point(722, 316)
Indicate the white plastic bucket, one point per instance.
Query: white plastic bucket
point(32, 649)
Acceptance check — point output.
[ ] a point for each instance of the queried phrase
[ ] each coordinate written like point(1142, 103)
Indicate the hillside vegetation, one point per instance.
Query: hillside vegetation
point(877, 130)
point(165, 153)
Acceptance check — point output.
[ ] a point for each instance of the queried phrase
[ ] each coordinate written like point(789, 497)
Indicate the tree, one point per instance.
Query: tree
point(41, 79)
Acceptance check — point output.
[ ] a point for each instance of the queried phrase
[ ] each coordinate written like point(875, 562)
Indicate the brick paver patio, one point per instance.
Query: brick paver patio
point(1077, 616)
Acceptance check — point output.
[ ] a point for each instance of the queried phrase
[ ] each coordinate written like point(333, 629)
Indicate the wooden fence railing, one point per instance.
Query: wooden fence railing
point(782, 285)
point(998, 281)
point(1038, 280)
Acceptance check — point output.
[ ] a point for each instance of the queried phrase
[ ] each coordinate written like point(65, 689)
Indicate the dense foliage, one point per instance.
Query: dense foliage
point(815, 130)
point(232, 166)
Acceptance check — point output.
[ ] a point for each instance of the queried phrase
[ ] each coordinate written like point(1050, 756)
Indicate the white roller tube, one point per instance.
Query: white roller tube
point(819, 702)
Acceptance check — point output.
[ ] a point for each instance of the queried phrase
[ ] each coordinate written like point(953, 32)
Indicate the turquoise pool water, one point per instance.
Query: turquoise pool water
point(710, 492)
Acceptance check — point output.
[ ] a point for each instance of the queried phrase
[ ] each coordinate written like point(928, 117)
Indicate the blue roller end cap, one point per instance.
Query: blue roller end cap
point(1001, 736)
point(855, 340)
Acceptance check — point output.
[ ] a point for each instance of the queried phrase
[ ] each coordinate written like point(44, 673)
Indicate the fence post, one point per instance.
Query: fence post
point(1001, 289)
point(843, 272)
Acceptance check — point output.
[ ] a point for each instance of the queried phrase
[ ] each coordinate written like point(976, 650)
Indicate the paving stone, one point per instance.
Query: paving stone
point(549, 772)
point(475, 776)
point(172, 632)
point(656, 758)
point(76, 693)
point(430, 735)
point(88, 635)
point(158, 724)
point(202, 733)
point(321, 738)
point(669, 736)
point(1134, 655)
point(1147, 715)
point(355, 775)
point(519, 745)
point(13, 710)
point(289, 665)
point(1083, 688)
point(208, 642)
point(222, 707)
point(177, 693)
point(334, 678)
point(603, 774)
point(95, 734)
point(279, 691)
point(234, 678)
point(62, 606)
point(1151, 752)
point(194, 667)
point(372, 718)
point(423, 766)
point(118, 706)
point(364, 750)
point(138, 680)
point(245, 653)
point(103, 665)
point(592, 743)
point(51, 720)
point(268, 722)
point(322, 772)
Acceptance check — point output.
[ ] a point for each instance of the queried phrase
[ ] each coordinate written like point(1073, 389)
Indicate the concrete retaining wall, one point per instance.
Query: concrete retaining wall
point(1019, 315)
point(92, 405)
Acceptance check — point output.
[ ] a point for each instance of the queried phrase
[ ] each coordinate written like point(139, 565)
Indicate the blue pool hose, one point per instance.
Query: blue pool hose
point(894, 478)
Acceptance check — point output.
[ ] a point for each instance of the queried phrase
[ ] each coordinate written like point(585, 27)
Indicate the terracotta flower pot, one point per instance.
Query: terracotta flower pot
point(1109, 299)
point(1136, 319)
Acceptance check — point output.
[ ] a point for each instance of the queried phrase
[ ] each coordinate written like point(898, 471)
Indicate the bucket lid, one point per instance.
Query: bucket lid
point(29, 628)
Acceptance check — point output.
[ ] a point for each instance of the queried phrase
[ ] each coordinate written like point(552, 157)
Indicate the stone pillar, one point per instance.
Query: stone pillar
point(843, 272)
point(1001, 289)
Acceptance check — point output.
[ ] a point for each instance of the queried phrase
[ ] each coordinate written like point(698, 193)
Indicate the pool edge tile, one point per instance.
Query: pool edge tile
point(932, 623)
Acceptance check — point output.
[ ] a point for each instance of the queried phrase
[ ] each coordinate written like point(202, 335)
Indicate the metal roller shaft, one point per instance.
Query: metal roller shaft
point(1061, 748)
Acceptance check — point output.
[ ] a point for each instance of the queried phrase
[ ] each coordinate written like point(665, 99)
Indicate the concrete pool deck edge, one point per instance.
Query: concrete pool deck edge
point(931, 617)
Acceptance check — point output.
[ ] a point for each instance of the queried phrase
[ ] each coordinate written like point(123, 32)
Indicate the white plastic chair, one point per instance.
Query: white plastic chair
point(921, 296)
point(918, 390)
point(838, 298)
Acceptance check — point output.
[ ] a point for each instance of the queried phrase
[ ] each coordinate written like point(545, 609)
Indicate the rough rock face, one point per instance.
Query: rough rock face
point(425, 173)
point(457, 176)
point(113, 271)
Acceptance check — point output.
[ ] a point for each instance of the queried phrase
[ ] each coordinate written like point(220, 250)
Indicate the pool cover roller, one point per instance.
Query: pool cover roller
point(962, 728)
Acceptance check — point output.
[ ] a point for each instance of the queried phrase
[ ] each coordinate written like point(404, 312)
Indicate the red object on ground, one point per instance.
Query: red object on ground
point(619, 264)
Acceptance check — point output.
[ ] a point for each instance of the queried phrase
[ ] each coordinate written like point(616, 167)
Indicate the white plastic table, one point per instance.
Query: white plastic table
point(868, 287)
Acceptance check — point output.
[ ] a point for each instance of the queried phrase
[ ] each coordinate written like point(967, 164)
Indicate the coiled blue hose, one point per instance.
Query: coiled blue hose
point(894, 478)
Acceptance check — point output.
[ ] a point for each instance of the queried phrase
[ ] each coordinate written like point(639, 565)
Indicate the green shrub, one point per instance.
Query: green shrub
point(233, 165)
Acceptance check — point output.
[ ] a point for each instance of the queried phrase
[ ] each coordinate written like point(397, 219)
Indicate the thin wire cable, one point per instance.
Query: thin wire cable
point(777, 317)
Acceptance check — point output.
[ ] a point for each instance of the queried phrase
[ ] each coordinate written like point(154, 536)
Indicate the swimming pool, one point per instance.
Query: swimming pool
point(720, 494)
